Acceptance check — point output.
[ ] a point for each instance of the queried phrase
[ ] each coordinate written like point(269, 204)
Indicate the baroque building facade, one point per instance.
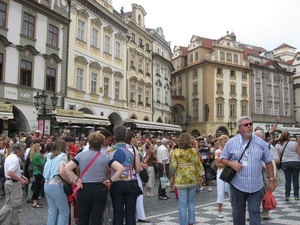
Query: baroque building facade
point(33, 57)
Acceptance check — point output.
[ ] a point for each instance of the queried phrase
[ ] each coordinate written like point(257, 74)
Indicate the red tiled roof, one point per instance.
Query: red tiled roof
point(270, 62)
point(283, 45)
point(206, 42)
point(290, 61)
point(254, 50)
point(129, 14)
point(184, 50)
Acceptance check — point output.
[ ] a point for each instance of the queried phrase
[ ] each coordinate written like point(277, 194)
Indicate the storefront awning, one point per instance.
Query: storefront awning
point(6, 115)
point(85, 120)
point(153, 125)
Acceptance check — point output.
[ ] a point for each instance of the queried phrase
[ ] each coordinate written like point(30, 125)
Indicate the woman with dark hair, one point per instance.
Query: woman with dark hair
point(289, 151)
point(150, 161)
point(188, 173)
point(58, 212)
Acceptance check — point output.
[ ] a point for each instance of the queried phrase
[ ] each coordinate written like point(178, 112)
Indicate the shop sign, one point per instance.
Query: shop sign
point(69, 113)
point(6, 107)
point(25, 95)
point(10, 93)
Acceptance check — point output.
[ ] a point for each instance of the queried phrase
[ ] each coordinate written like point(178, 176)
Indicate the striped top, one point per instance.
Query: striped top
point(249, 179)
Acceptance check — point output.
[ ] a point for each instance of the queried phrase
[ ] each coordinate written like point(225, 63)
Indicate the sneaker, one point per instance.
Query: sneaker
point(209, 189)
point(162, 198)
point(265, 214)
point(287, 199)
point(296, 198)
point(201, 188)
point(220, 214)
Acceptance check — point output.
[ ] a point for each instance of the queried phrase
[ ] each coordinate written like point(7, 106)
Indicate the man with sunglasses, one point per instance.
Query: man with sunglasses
point(247, 186)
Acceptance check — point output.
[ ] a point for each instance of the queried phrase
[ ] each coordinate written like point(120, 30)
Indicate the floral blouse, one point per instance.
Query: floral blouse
point(188, 168)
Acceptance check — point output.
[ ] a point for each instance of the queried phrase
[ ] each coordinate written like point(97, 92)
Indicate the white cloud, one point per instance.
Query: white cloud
point(264, 23)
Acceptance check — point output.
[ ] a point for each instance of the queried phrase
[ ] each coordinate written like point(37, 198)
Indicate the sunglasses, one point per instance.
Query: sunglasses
point(247, 124)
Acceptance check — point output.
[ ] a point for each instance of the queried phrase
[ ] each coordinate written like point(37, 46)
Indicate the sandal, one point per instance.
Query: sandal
point(144, 221)
point(37, 206)
point(76, 220)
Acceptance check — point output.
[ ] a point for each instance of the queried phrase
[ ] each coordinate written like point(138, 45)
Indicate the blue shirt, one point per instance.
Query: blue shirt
point(249, 179)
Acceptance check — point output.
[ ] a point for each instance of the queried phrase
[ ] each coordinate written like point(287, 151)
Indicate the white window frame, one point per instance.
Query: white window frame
point(94, 78)
point(107, 44)
point(80, 30)
point(79, 79)
point(95, 37)
point(106, 87)
point(118, 50)
point(117, 90)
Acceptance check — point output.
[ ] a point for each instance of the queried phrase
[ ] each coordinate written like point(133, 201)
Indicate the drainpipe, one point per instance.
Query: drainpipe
point(152, 88)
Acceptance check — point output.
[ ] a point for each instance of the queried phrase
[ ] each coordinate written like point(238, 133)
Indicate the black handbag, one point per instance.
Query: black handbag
point(228, 173)
point(279, 165)
point(67, 187)
point(144, 176)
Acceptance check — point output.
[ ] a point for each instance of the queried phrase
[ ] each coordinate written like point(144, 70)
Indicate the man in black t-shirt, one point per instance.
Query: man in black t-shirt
point(205, 155)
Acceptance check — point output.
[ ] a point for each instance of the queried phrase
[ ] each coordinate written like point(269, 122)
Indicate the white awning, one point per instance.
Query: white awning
point(153, 125)
point(84, 120)
point(6, 115)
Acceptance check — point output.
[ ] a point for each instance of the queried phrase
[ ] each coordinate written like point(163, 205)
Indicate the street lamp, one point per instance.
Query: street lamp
point(231, 126)
point(188, 120)
point(268, 126)
point(40, 102)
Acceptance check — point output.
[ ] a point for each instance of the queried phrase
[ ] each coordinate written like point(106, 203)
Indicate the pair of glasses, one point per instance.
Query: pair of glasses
point(247, 124)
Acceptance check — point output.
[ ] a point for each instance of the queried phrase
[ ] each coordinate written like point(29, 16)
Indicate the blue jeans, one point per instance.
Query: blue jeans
point(291, 171)
point(186, 205)
point(124, 193)
point(58, 208)
point(239, 199)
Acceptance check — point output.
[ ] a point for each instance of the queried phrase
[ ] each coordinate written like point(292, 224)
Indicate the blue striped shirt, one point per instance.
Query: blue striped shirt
point(249, 179)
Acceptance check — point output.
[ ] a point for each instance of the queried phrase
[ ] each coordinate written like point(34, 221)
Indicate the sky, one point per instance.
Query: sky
point(263, 23)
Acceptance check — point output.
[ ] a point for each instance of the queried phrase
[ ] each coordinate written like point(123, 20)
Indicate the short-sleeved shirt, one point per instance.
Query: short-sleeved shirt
point(12, 164)
point(162, 154)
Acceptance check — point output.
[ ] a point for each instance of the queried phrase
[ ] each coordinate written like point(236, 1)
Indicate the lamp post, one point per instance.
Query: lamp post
point(188, 120)
point(231, 126)
point(40, 102)
point(268, 126)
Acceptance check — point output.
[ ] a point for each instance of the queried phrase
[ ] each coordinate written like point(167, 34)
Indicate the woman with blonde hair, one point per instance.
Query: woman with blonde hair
point(188, 173)
point(289, 152)
point(37, 159)
point(222, 186)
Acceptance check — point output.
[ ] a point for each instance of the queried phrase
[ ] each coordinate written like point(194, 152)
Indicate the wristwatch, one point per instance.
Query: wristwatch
point(272, 178)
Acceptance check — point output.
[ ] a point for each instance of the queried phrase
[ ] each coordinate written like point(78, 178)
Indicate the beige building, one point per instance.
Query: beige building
point(210, 85)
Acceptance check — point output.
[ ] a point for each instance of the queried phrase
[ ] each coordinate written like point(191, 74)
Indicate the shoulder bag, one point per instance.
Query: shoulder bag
point(143, 173)
point(228, 173)
point(84, 171)
point(279, 165)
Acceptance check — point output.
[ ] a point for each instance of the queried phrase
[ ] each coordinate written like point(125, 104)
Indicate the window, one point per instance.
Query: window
point(228, 56)
point(222, 55)
point(79, 79)
point(147, 47)
point(80, 30)
point(140, 42)
point(140, 64)
point(28, 25)
point(220, 87)
point(294, 70)
point(219, 109)
point(232, 73)
point(275, 78)
point(2, 14)
point(269, 92)
point(257, 75)
point(235, 58)
point(53, 36)
point(50, 79)
point(157, 68)
point(258, 91)
point(174, 92)
point(285, 94)
point(26, 73)
point(244, 110)
point(94, 83)
point(195, 110)
point(147, 68)
point(219, 71)
point(232, 110)
point(270, 110)
point(269, 77)
point(244, 90)
point(195, 73)
point(131, 92)
point(140, 95)
point(147, 97)
point(276, 110)
point(157, 94)
point(117, 90)
point(196, 55)
point(258, 109)
point(285, 80)
point(95, 37)
point(275, 93)
point(191, 57)
point(244, 75)
point(118, 50)
point(1, 67)
point(195, 88)
point(180, 78)
point(106, 86)
point(132, 61)
point(166, 97)
point(180, 92)
point(107, 44)
point(133, 37)
point(232, 89)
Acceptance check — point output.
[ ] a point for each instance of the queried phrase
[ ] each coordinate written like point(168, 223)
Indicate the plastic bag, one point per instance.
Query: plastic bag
point(165, 182)
point(269, 201)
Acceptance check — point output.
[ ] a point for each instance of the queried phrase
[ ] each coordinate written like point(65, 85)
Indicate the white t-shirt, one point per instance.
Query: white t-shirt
point(12, 164)
point(162, 154)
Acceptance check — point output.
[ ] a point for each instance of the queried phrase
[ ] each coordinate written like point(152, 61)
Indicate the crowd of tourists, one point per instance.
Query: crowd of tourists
point(103, 171)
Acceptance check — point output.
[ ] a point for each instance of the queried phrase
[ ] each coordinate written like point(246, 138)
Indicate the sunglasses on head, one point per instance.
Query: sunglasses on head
point(247, 124)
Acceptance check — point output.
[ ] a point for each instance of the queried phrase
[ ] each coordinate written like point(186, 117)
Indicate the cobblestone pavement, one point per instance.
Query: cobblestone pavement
point(165, 212)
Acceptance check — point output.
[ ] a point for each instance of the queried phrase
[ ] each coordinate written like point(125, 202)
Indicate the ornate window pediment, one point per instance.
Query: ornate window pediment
point(108, 29)
point(83, 13)
point(133, 79)
point(158, 83)
point(81, 59)
point(97, 22)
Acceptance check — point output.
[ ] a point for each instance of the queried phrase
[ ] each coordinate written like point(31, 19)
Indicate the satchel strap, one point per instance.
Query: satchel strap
point(90, 164)
point(245, 149)
point(283, 151)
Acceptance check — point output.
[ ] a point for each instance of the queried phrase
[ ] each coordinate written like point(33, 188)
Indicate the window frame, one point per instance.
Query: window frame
point(53, 36)
point(50, 79)
point(118, 50)
point(106, 87)
point(79, 78)
point(80, 29)
point(117, 90)
point(95, 39)
point(94, 79)
point(107, 44)
point(26, 30)
point(4, 12)
point(28, 80)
